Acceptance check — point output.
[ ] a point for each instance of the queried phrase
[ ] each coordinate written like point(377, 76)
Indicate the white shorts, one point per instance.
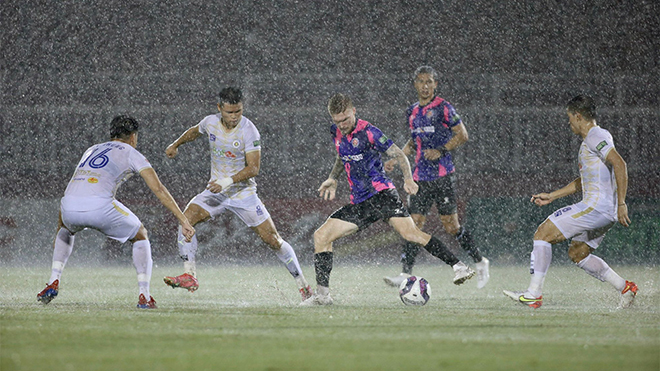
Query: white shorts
point(251, 210)
point(582, 223)
point(113, 219)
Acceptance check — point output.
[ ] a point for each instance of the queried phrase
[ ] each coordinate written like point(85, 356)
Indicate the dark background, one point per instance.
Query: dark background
point(509, 67)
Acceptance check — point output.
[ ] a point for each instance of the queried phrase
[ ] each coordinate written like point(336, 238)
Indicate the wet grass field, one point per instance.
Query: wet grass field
point(248, 318)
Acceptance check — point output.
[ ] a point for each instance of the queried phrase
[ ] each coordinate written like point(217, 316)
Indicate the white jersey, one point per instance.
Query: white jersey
point(228, 149)
point(101, 170)
point(598, 182)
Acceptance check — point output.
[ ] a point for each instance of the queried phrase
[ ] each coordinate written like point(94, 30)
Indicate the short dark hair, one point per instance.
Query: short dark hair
point(123, 126)
point(339, 103)
point(230, 95)
point(426, 69)
point(584, 105)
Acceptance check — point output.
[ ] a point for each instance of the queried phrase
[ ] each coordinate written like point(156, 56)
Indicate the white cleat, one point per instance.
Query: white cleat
point(483, 274)
point(395, 281)
point(463, 273)
point(320, 297)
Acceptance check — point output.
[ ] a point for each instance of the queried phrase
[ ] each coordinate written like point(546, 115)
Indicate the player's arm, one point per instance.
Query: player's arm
point(251, 169)
point(396, 153)
point(541, 199)
point(151, 178)
point(459, 137)
point(328, 188)
point(620, 169)
point(188, 136)
point(407, 150)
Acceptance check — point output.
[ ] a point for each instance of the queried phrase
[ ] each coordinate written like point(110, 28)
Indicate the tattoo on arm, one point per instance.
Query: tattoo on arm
point(395, 152)
point(336, 169)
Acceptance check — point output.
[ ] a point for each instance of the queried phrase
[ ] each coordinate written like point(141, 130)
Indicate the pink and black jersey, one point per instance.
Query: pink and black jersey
point(360, 152)
point(431, 126)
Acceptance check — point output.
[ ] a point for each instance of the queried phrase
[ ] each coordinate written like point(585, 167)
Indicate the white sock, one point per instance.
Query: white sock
point(598, 268)
point(287, 255)
point(143, 265)
point(61, 252)
point(187, 251)
point(539, 263)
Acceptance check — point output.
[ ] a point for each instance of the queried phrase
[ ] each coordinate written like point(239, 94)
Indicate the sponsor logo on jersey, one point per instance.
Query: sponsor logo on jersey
point(259, 211)
point(424, 129)
point(256, 143)
point(455, 118)
point(601, 145)
point(355, 142)
point(352, 157)
point(212, 137)
point(93, 180)
point(383, 139)
point(236, 144)
point(229, 154)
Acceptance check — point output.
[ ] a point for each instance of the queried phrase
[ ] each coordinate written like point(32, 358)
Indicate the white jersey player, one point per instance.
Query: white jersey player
point(235, 149)
point(604, 182)
point(89, 202)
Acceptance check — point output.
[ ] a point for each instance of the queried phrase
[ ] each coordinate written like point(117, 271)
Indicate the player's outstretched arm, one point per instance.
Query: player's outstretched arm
point(409, 184)
point(620, 169)
point(151, 178)
point(188, 136)
point(541, 199)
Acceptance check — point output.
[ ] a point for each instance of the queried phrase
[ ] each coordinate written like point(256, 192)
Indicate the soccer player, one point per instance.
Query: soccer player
point(359, 146)
point(436, 129)
point(235, 160)
point(603, 181)
point(89, 202)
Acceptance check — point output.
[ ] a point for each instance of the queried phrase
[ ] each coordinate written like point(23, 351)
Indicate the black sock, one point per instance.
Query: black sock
point(408, 255)
point(323, 267)
point(465, 239)
point(439, 250)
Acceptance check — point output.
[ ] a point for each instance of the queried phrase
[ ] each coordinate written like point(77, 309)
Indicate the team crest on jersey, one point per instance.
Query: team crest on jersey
point(355, 142)
point(429, 114)
point(236, 144)
point(212, 137)
point(93, 180)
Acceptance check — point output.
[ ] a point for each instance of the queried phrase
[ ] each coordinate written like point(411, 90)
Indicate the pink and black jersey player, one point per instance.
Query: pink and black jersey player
point(360, 152)
point(359, 148)
point(435, 130)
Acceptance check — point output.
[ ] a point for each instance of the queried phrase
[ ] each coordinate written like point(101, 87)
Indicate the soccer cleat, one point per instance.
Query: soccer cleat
point(483, 274)
point(463, 273)
point(523, 297)
point(628, 295)
point(306, 293)
point(317, 299)
point(49, 293)
point(396, 281)
point(184, 281)
point(144, 304)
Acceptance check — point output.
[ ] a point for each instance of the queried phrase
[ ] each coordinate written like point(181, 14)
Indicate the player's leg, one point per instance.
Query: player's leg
point(62, 248)
point(330, 231)
point(581, 252)
point(143, 263)
point(545, 236)
point(187, 250)
point(406, 227)
point(464, 237)
point(283, 250)
point(408, 255)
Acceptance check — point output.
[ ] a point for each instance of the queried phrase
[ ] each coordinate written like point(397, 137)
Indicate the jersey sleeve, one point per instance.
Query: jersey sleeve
point(451, 117)
point(203, 126)
point(138, 162)
point(380, 141)
point(601, 143)
point(252, 139)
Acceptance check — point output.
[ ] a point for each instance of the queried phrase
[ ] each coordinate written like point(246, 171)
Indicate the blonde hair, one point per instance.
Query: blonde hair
point(339, 103)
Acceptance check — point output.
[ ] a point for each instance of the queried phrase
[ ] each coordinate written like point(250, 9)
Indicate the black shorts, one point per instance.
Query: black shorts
point(439, 191)
point(383, 206)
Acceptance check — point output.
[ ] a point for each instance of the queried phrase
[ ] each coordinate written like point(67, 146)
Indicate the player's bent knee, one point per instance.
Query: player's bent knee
point(577, 251)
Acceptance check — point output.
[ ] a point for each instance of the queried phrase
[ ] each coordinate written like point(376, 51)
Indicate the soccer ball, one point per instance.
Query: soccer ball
point(415, 291)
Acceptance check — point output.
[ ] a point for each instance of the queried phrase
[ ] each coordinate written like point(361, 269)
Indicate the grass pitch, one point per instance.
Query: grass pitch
point(247, 318)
